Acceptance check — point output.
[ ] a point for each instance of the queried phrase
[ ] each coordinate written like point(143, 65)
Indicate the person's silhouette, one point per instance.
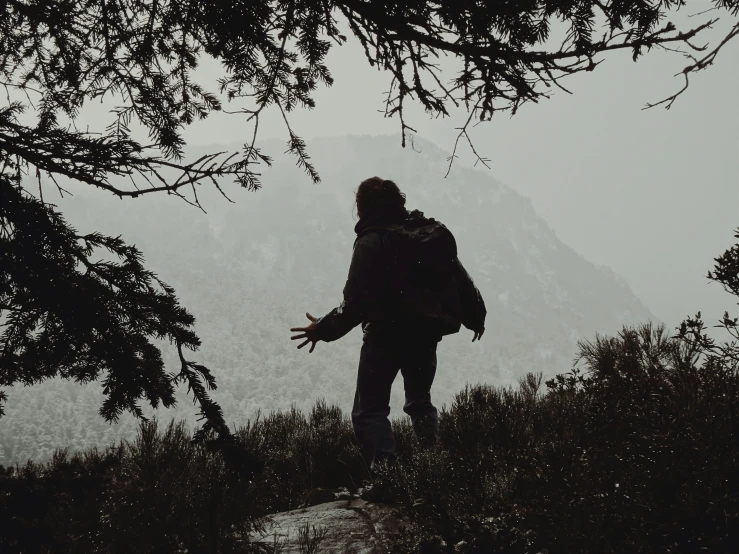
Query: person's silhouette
point(399, 334)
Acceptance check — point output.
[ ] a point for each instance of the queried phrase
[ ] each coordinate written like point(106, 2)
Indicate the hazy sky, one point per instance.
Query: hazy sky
point(653, 194)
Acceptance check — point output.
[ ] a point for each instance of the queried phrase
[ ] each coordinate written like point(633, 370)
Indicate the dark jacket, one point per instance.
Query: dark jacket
point(374, 281)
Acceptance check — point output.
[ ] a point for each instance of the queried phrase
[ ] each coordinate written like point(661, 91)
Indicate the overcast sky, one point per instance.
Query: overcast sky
point(653, 194)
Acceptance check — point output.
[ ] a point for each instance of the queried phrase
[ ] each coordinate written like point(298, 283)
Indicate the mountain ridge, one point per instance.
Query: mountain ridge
point(249, 271)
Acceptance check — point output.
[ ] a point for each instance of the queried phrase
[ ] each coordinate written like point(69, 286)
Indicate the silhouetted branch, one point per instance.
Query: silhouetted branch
point(697, 65)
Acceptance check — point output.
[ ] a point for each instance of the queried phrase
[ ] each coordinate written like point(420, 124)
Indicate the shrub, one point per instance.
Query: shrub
point(163, 492)
point(638, 454)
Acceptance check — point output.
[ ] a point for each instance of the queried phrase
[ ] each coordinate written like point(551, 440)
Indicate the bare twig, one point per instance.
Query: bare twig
point(697, 65)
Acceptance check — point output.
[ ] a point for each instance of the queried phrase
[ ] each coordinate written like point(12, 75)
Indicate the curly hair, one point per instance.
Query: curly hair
point(375, 194)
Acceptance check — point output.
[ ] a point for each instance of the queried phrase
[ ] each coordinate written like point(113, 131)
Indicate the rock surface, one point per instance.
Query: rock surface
point(350, 526)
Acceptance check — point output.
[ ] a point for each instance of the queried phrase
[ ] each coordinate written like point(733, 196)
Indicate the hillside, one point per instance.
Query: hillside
point(250, 270)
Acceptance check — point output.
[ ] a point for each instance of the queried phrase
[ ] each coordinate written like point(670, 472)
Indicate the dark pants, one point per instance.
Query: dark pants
point(379, 362)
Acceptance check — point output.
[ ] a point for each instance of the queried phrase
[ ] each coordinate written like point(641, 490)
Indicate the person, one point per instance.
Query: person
point(397, 336)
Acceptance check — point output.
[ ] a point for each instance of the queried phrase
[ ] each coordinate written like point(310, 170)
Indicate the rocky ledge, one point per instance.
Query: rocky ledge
point(348, 526)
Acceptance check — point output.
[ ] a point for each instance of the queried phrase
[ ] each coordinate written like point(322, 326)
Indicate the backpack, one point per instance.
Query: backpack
point(425, 253)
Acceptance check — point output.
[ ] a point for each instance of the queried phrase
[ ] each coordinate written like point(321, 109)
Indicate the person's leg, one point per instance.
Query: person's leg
point(375, 376)
point(418, 366)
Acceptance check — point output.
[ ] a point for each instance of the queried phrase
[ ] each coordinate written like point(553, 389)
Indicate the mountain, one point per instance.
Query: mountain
point(250, 270)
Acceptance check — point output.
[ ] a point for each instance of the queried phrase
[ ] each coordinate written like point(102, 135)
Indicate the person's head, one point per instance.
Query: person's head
point(377, 194)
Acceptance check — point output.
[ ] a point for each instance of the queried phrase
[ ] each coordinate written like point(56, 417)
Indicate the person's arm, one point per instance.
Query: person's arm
point(473, 306)
point(363, 287)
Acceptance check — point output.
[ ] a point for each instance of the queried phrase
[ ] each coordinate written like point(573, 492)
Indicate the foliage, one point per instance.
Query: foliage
point(273, 53)
point(301, 454)
point(726, 273)
point(160, 493)
point(163, 492)
point(76, 318)
point(638, 455)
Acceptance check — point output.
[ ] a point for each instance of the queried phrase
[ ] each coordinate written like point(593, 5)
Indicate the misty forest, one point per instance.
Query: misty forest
point(152, 273)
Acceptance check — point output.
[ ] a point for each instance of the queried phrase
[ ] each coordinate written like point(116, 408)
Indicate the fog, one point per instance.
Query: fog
point(652, 194)
point(628, 208)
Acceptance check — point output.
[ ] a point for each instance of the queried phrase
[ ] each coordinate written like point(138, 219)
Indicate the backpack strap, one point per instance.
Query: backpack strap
point(389, 227)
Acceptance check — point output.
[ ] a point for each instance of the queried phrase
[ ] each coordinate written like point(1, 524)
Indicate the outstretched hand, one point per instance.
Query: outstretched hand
point(478, 334)
point(307, 333)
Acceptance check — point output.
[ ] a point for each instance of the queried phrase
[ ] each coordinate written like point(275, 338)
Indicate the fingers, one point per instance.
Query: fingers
point(302, 329)
point(312, 345)
point(303, 333)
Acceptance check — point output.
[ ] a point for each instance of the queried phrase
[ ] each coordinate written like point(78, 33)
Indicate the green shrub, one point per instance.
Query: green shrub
point(301, 454)
point(636, 455)
point(163, 492)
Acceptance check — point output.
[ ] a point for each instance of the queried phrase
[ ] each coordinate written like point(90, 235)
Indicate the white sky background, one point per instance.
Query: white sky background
point(653, 194)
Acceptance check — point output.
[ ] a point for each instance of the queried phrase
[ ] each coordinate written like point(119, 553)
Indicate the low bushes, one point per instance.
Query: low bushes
point(635, 450)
